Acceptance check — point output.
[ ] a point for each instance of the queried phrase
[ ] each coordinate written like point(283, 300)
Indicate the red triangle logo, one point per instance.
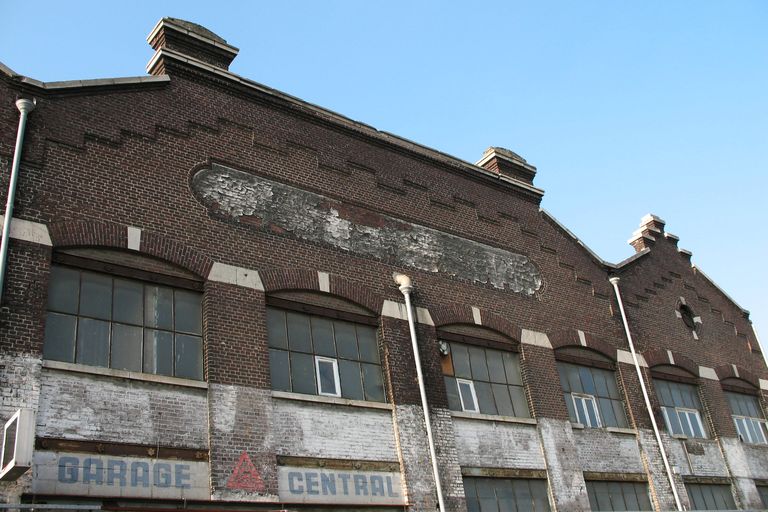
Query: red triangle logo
point(245, 477)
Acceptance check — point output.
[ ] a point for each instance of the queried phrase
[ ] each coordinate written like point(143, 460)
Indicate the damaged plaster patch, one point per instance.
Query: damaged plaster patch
point(315, 218)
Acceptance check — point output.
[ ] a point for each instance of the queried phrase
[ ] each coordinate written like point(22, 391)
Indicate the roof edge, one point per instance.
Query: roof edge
point(607, 265)
point(713, 283)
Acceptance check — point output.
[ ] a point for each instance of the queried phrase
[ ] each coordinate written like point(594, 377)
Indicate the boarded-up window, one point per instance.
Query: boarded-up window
point(618, 496)
point(504, 494)
point(710, 497)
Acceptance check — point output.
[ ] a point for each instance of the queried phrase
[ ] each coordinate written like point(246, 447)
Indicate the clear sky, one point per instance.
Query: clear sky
point(626, 108)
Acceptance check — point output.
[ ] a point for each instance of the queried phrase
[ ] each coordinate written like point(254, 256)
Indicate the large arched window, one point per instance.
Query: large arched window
point(746, 411)
point(322, 345)
point(481, 370)
point(119, 310)
point(589, 388)
point(678, 394)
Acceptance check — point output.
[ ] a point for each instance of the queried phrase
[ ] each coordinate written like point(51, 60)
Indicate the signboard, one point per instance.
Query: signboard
point(89, 474)
point(341, 486)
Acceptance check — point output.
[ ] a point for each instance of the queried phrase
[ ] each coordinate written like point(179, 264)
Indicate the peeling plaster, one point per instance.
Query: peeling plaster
point(315, 218)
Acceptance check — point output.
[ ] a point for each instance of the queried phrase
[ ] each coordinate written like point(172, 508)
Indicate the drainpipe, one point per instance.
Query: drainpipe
point(615, 282)
point(25, 107)
point(404, 282)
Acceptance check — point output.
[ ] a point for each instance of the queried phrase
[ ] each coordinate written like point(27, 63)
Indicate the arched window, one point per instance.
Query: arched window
point(589, 388)
point(677, 391)
point(123, 311)
point(746, 411)
point(481, 369)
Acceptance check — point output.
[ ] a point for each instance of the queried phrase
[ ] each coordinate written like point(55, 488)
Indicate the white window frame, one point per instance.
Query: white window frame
point(336, 380)
point(683, 415)
point(471, 385)
point(762, 427)
point(586, 398)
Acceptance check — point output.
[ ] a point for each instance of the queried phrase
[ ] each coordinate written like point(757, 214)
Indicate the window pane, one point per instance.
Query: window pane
point(673, 422)
point(188, 315)
point(619, 414)
point(189, 357)
point(299, 337)
point(278, 370)
point(158, 307)
point(369, 349)
point(158, 352)
point(326, 373)
point(485, 398)
point(64, 290)
point(571, 408)
point(663, 393)
point(519, 402)
point(454, 402)
point(606, 412)
point(601, 384)
point(502, 399)
point(346, 340)
point(372, 382)
point(523, 495)
point(684, 422)
point(572, 373)
point(477, 362)
point(126, 347)
point(351, 383)
point(60, 337)
point(587, 383)
point(460, 358)
point(322, 337)
point(129, 300)
point(512, 368)
point(591, 413)
point(93, 342)
point(303, 373)
point(276, 331)
point(96, 295)
point(496, 367)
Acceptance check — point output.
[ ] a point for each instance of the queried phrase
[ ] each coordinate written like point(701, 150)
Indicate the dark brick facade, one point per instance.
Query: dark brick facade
point(104, 161)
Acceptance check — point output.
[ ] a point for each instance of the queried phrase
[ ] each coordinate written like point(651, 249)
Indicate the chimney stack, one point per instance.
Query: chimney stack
point(507, 163)
point(172, 36)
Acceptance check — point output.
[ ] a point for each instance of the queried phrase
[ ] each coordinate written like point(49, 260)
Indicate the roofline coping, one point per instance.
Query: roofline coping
point(570, 233)
point(73, 84)
point(491, 155)
point(343, 120)
point(712, 282)
point(164, 21)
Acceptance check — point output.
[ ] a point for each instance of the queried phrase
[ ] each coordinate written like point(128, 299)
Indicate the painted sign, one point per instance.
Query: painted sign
point(245, 476)
point(341, 486)
point(88, 474)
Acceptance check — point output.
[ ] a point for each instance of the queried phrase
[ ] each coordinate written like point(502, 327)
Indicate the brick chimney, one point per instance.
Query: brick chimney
point(507, 163)
point(179, 38)
point(651, 228)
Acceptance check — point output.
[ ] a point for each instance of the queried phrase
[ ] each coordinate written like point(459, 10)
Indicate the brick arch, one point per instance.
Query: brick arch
point(115, 236)
point(461, 314)
point(726, 371)
point(570, 338)
point(275, 280)
point(659, 356)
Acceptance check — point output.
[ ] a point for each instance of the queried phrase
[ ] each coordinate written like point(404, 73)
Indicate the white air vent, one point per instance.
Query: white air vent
point(18, 444)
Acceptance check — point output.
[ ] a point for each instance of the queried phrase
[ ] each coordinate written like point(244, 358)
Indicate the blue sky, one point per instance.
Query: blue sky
point(625, 108)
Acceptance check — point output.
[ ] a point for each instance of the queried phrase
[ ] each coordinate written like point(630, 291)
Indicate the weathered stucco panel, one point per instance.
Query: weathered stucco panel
point(281, 208)
point(91, 407)
point(492, 444)
point(608, 452)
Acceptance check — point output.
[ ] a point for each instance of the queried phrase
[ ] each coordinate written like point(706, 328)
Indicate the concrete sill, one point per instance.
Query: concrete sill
point(614, 430)
point(318, 399)
point(491, 417)
point(123, 374)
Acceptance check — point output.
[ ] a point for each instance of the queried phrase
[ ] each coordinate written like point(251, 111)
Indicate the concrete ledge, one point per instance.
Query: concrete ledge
point(239, 276)
point(764, 384)
point(708, 373)
point(491, 417)
point(29, 231)
point(123, 374)
point(318, 399)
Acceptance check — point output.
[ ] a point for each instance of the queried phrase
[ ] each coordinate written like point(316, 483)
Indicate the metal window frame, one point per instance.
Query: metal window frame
point(762, 424)
point(585, 397)
point(336, 380)
point(686, 414)
point(471, 385)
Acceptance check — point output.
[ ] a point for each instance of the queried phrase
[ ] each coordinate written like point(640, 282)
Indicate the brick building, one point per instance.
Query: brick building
point(199, 311)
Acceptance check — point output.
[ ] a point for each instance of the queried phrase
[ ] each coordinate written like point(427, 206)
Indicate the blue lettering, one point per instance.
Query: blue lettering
point(293, 485)
point(361, 485)
point(182, 476)
point(345, 480)
point(69, 470)
point(377, 486)
point(116, 471)
point(390, 492)
point(161, 475)
point(137, 478)
point(328, 483)
point(312, 483)
point(93, 470)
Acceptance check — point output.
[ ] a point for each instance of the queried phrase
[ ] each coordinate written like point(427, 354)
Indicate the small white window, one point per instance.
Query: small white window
point(467, 395)
point(327, 376)
point(586, 410)
point(751, 430)
point(691, 422)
